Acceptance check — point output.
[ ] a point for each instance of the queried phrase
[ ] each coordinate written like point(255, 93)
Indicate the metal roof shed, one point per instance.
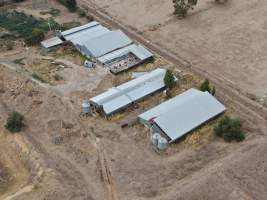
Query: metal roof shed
point(79, 28)
point(182, 113)
point(106, 43)
point(52, 42)
point(119, 97)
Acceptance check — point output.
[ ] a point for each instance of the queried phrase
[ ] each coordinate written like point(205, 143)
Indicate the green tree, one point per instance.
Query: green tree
point(181, 7)
point(14, 122)
point(205, 86)
point(169, 79)
point(71, 5)
point(229, 129)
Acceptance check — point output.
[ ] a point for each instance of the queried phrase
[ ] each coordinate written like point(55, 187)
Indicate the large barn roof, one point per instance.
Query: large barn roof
point(183, 113)
point(120, 96)
point(113, 40)
point(87, 34)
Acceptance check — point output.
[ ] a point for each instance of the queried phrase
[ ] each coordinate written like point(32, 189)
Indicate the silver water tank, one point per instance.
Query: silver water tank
point(162, 143)
point(86, 107)
point(154, 138)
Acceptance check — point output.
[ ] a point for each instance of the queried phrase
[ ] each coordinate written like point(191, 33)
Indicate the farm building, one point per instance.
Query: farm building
point(125, 58)
point(112, 49)
point(182, 114)
point(121, 96)
point(52, 42)
point(103, 44)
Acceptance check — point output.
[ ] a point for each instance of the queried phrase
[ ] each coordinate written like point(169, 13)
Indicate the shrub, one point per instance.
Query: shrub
point(14, 122)
point(181, 7)
point(90, 18)
point(205, 86)
point(169, 79)
point(18, 1)
point(81, 12)
point(36, 37)
point(70, 4)
point(229, 129)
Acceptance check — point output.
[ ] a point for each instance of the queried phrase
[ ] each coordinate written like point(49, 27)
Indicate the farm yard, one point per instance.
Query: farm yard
point(224, 40)
point(63, 153)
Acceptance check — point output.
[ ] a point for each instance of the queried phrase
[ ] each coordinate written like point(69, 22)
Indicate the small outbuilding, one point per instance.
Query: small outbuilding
point(51, 43)
point(182, 114)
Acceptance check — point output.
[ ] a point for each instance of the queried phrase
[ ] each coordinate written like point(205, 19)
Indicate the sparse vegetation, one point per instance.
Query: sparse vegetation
point(229, 129)
point(35, 37)
point(57, 77)
point(14, 122)
point(53, 11)
point(23, 26)
point(81, 12)
point(169, 79)
point(39, 78)
point(69, 25)
point(70, 4)
point(181, 7)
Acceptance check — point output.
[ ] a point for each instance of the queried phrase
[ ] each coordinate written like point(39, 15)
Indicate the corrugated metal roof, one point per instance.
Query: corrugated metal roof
point(169, 105)
point(119, 97)
point(184, 113)
point(82, 36)
point(138, 50)
point(141, 52)
point(107, 43)
point(52, 42)
point(79, 28)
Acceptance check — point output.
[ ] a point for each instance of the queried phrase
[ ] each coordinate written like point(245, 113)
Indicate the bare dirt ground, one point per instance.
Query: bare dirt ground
point(227, 40)
point(61, 154)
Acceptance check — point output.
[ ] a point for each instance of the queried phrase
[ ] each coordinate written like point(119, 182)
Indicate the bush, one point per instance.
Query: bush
point(181, 7)
point(70, 4)
point(36, 37)
point(14, 122)
point(81, 12)
point(169, 79)
point(229, 129)
point(205, 87)
point(18, 1)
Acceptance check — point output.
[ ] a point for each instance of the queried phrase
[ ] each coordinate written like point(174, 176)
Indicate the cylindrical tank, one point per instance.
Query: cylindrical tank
point(162, 143)
point(154, 138)
point(86, 107)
